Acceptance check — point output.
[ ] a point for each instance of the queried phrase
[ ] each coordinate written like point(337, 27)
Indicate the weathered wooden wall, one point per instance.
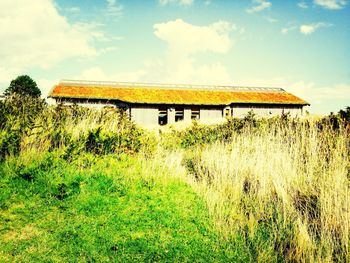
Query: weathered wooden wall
point(266, 110)
point(147, 115)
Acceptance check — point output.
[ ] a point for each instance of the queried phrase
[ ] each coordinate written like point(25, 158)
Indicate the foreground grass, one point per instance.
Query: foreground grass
point(286, 191)
point(99, 209)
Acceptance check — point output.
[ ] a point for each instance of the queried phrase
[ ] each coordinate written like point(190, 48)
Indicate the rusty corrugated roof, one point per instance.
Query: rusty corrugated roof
point(171, 94)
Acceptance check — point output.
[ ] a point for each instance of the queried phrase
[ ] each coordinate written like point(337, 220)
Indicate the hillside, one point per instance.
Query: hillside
point(84, 185)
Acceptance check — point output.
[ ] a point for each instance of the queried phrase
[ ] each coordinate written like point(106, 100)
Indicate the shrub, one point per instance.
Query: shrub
point(9, 143)
point(29, 123)
point(20, 112)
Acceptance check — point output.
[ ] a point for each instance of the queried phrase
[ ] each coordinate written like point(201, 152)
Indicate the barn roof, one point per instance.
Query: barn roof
point(172, 94)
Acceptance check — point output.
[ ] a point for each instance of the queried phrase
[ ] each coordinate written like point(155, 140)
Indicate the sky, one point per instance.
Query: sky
point(301, 46)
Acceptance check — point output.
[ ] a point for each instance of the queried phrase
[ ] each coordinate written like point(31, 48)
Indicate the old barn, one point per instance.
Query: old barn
point(156, 104)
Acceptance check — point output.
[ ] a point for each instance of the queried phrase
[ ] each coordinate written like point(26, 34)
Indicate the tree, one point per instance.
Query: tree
point(23, 86)
point(345, 114)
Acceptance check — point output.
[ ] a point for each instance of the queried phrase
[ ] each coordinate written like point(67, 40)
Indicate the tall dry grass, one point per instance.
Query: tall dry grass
point(63, 124)
point(283, 189)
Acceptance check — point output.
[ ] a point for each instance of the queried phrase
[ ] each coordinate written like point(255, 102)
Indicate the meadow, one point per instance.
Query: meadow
point(83, 185)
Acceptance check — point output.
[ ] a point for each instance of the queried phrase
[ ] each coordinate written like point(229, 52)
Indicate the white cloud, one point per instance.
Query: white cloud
point(46, 85)
point(180, 2)
point(286, 30)
point(184, 42)
point(73, 9)
point(305, 29)
point(173, 69)
point(331, 4)
point(187, 38)
point(311, 28)
point(113, 9)
point(6, 75)
point(271, 19)
point(179, 65)
point(321, 97)
point(34, 34)
point(96, 73)
point(259, 6)
point(302, 5)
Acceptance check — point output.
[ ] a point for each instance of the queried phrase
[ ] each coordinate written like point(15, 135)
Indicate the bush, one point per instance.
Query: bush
point(9, 143)
point(20, 112)
point(29, 123)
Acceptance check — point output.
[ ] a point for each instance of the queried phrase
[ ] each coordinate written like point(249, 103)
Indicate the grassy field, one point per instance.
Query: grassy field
point(81, 185)
point(100, 209)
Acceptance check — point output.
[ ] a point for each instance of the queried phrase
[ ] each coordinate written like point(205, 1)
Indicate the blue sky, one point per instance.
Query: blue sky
point(302, 46)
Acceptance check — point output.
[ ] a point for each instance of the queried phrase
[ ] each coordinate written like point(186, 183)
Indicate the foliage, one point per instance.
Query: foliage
point(9, 144)
point(23, 86)
point(20, 112)
point(345, 114)
point(30, 123)
point(18, 116)
point(198, 134)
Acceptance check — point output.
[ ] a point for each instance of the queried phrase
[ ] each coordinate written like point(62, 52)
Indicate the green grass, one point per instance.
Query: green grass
point(100, 209)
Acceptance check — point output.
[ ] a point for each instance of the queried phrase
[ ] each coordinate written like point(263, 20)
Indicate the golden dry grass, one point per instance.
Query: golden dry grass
point(293, 181)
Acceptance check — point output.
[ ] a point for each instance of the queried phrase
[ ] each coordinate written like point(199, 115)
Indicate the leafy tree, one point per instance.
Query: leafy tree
point(23, 86)
point(345, 114)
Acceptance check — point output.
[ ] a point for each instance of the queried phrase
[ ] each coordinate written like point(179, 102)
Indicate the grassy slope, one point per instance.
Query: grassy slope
point(102, 209)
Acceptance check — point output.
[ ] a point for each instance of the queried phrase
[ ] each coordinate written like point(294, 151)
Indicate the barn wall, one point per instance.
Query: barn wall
point(148, 115)
point(171, 115)
point(144, 115)
point(266, 111)
point(210, 114)
point(187, 115)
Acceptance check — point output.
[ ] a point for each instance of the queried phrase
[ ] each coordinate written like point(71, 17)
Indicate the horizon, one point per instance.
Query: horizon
point(300, 46)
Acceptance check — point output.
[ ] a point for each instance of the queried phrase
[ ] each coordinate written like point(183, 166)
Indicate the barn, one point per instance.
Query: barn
point(160, 104)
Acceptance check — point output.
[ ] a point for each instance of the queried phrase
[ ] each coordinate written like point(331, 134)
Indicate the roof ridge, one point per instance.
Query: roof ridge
point(68, 82)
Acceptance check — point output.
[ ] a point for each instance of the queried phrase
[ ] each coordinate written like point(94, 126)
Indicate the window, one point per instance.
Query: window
point(226, 112)
point(195, 114)
point(179, 114)
point(162, 116)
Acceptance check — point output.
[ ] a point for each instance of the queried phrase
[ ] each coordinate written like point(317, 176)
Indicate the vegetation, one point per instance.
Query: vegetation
point(345, 114)
point(285, 190)
point(83, 185)
point(100, 209)
point(23, 86)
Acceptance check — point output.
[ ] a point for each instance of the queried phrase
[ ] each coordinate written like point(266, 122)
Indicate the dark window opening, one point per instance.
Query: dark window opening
point(226, 112)
point(195, 114)
point(163, 117)
point(179, 114)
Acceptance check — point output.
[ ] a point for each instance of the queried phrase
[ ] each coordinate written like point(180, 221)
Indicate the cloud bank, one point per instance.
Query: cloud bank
point(311, 28)
point(331, 4)
point(260, 5)
point(180, 2)
point(184, 43)
point(34, 34)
